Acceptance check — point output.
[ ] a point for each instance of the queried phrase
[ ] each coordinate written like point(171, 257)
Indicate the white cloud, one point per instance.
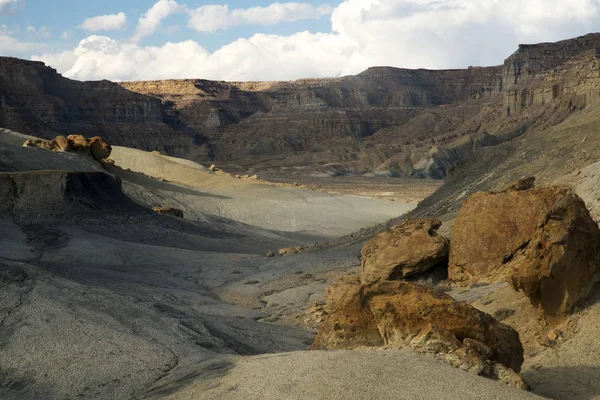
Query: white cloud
point(13, 47)
point(9, 30)
point(214, 17)
point(66, 35)
point(60, 61)
point(112, 22)
point(9, 7)
point(151, 20)
point(99, 57)
point(364, 33)
point(43, 31)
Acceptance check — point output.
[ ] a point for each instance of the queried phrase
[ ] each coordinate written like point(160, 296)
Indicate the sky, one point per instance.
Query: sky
point(124, 40)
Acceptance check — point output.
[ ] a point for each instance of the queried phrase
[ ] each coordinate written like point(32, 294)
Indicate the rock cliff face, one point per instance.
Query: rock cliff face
point(387, 121)
point(315, 121)
point(542, 73)
point(34, 99)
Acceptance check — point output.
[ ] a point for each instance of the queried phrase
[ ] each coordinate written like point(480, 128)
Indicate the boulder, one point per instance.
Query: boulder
point(401, 314)
point(79, 143)
point(60, 143)
point(288, 251)
point(42, 144)
point(173, 212)
point(406, 249)
point(543, 241)
point(100, 149)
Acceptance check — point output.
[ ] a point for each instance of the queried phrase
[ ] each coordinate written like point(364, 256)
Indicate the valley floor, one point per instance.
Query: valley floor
point(116, 301)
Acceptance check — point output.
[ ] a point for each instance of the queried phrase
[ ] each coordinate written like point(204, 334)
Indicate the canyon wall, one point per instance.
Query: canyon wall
point(384, 120)
point(36, 100)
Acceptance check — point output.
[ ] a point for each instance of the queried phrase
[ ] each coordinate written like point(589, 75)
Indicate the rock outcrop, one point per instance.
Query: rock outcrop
point(34, 197)
point(543, 241)
point(401, 314)
point(173, 212)
point(95, 147)
point(411, 247)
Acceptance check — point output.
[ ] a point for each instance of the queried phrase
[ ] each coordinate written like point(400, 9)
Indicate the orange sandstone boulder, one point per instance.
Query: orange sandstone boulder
point(60, 143)
point(542, 240)
point(406, 249)
point(406, 315)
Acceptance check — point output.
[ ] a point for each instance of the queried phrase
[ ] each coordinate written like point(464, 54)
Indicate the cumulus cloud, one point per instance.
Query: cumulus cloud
point(100, 57)
point(9, 7)
point(214, 17)
point(112, 22)
point(152, 19)
point(364, 33)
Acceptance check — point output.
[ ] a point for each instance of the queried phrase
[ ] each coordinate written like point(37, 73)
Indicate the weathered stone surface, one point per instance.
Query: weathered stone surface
point(406, 249)
point(100, 148)
point(42, 144)
point(61, 143)
point(543, 241)
point(79, 143)
point(401, 314)
point(288, 251)
point(173, 212)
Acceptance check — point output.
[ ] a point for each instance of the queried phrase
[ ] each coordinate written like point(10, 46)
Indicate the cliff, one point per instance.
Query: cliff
point(312, 122)
point(385, 120)
point(35, 99)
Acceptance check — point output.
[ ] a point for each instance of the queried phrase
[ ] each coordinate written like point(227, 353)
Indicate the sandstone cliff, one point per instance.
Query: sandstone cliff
point(389, 121)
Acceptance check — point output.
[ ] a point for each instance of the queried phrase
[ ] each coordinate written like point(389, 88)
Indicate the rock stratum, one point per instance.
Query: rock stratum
point(385, 121)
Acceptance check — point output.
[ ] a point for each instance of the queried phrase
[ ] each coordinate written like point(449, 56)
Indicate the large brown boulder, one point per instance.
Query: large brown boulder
point(543, 241)
point(60, 143)
point(401, 314)
point(79, 143)
point(100, 148)
point(406, 249)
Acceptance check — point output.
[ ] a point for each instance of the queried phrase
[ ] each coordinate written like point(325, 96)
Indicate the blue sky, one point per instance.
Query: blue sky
point(278, 40)
point(61, 16)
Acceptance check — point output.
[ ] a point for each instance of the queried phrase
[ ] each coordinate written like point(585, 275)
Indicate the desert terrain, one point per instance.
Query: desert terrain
point(371, 236)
